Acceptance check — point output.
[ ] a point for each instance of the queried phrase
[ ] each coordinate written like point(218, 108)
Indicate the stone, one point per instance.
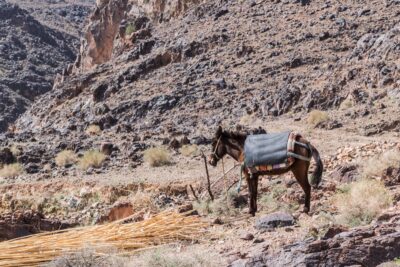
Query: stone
point(247, 236)
point(274, 220)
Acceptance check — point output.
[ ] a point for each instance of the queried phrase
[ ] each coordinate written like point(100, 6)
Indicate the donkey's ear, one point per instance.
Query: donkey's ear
point(219, 131)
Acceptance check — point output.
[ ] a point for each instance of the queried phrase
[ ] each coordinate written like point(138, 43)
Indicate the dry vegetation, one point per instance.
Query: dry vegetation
point(360, 202)
point(317, 116)
point(377, 165)
point(92, 159)
point(189, 150)
point(93, 130)
point(11, 170)
point(157, 156)
point(224, 205)
point(66, 157)
point(172, 257)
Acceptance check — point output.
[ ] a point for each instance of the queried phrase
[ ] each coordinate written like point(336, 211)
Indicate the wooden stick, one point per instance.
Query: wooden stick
point(208, 178)
point(219, 178)
point(193, 192)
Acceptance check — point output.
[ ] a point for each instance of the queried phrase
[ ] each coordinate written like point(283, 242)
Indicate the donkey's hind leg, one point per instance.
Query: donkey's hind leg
point(300, 171)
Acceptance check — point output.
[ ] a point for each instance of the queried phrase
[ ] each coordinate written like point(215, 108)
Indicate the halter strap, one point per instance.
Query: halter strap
point(216, 147)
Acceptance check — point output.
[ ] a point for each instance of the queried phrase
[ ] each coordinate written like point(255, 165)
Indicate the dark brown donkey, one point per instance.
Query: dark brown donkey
point(232, 143)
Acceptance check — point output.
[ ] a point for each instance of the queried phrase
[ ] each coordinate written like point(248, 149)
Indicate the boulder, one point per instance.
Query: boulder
point(274, 220)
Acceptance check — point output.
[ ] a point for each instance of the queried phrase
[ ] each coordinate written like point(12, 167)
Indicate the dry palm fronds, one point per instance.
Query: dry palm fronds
point(163, 228)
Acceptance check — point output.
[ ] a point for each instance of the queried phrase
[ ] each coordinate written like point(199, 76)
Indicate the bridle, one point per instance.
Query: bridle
point(215, 149)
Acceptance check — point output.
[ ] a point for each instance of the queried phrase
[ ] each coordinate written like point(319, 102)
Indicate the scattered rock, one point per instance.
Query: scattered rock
point(274, 220)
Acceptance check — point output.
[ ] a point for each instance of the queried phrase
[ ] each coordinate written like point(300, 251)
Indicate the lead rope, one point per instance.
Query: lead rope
point(225, 187)
point(241, 177)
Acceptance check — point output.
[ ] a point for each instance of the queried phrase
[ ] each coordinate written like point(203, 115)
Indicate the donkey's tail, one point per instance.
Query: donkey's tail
point(317, 174)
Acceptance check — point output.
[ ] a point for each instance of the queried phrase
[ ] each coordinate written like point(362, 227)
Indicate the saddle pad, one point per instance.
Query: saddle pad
point(266, 149)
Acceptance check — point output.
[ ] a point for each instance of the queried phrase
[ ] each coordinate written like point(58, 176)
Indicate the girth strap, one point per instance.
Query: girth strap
point(291, 154)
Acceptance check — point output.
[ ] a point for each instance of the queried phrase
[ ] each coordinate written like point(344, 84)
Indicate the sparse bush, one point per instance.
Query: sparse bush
point(377, 165)
point(317, 116)
point(15, 150)
point(130, 29)
point(220, 206)
point(157, 156)
point(89, 257)
point(168, 257)
point(364, 200)
point(144, 200)
point(66, 157)
point(189, 150)
point(11, 170)
point(92, 158)
point(346, 104)
point(93, 130)
point(272, 200)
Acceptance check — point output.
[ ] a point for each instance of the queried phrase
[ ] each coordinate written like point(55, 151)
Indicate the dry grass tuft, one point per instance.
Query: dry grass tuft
point(317, 116)
point(92, 158)
point(66, 157)
point(361, 202)
point(272, 201)
point(171, 257)
point(89, 257)
point(157, 156)
point(190, 150)
point(346, 104)
point(377, 165)
point(225, 205)
point(144, 200)
point(93, 130)
point(15, 150)
point(11, 170)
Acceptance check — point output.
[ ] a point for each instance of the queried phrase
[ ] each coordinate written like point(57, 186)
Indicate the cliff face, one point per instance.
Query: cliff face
point(112, 19)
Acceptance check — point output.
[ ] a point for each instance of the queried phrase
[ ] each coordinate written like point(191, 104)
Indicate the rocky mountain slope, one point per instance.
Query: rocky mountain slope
point(149, 72)
point(31, 55)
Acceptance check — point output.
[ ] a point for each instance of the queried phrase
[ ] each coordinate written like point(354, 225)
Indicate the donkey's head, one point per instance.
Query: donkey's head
point(218, 148)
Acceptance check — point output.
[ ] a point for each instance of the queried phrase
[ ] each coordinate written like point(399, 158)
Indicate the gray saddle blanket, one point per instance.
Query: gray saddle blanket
point(266, 149)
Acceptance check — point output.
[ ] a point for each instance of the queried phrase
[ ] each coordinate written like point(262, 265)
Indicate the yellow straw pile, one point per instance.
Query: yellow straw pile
point(163, 228)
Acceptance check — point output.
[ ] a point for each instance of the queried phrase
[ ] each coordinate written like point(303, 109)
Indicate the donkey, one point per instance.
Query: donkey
point(232, 144)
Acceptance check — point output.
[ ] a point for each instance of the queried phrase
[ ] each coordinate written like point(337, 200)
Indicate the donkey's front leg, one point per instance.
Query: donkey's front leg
point(252, 182)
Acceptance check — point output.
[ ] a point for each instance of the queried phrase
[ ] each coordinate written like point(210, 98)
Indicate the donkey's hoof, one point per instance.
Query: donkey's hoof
point(306, 210)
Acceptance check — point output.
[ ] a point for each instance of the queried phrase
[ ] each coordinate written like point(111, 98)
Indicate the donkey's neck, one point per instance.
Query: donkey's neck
point(235, 149)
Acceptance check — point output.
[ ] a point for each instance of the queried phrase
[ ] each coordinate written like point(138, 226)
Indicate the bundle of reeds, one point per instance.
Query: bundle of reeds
point(163, 228)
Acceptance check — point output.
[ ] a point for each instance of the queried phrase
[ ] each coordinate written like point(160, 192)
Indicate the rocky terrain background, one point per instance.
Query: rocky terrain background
point(152, 73)
point(143, 78)
point(33, 51)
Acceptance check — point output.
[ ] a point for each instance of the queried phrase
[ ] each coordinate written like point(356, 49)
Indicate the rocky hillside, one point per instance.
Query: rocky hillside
point(68, 16)
point(31, 55)
point(149, 71)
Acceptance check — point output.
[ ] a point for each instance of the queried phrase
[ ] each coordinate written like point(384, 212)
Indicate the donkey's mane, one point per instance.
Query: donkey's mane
point(234, 134)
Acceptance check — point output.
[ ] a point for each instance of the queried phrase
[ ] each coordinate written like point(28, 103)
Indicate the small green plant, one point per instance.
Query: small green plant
point(157, 156)
point(189, 150)
point(317, 116)
point(92, 158)
point(66, 157)
point(11, 170)
point(364, 200)
point(130, 29)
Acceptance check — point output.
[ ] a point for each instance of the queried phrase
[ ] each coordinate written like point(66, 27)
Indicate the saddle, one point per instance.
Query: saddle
point(267, 152)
